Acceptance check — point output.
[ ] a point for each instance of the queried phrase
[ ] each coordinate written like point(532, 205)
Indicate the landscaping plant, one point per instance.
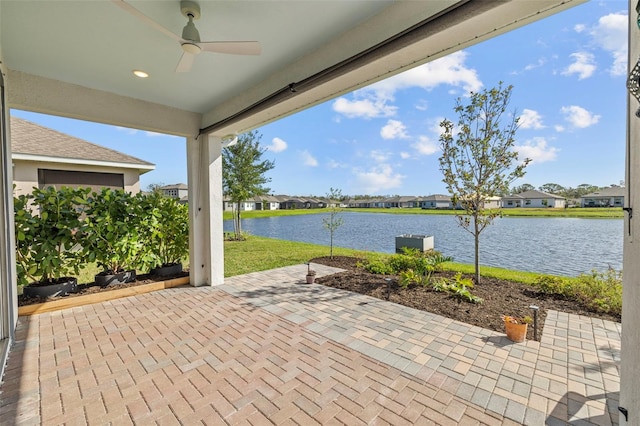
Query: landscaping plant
point(48, 229)
point(167, 232)
point(478, 159)
point(116, 226)
point(333, 221)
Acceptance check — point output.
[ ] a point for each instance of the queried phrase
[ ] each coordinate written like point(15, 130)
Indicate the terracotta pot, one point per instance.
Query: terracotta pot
point(516, 332)
point(311, 279)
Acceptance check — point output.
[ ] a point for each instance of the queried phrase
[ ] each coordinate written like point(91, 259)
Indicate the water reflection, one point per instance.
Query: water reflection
point(563, 246)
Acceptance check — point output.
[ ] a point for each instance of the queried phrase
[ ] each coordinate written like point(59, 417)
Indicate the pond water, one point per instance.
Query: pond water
point(561, 246)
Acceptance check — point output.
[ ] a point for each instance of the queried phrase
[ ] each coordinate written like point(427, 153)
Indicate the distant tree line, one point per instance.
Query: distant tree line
point(566, 192)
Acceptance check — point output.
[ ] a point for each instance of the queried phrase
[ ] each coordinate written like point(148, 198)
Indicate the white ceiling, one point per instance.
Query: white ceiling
point(96, 45)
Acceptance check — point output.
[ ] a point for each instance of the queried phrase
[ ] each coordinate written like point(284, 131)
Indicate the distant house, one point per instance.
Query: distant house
point(533, 199)
point(267, 202)
point(178, 190)
point(44, 157)
point(605, 197)
point(436, 201)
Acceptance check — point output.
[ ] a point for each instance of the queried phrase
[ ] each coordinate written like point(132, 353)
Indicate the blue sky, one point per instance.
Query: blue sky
point(569, 77)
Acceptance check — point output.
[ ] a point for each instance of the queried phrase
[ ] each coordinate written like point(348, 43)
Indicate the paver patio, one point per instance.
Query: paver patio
point(266, 349)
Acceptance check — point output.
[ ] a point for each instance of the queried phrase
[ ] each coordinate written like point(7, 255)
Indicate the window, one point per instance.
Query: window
point(510, 203)
point(74, 179)
point(527, 202)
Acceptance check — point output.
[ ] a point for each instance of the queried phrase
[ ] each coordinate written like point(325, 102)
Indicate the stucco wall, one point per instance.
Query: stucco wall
point(25, 174)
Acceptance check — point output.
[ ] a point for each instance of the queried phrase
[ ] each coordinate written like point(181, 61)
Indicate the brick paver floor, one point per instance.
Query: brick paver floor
point(266, 349)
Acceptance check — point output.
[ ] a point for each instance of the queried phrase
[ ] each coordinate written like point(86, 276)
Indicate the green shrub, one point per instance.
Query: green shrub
point(167, 232)
point(555, 285)
point(116, 231)
point(412, 266)
point(48, 230)
point(601, 291)
point(378, 265)
point(457, 287)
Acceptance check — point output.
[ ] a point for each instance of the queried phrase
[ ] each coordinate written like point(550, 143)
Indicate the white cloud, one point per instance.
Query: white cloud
point(364, 108)
point(379, 156)
point(579, 28)
point(379, 178)
point(277, 145)
point(538, 64)
point(308, 159)
point(394, 129)
point(405, 155)
point(375, 100)
point(425, 146)
point(537, 150)
point(422, 105)
point(579, 117)
point(611, 35)
point(449, 70)
point(530, 119)
point(583, 65)
point(333, 164)
point(559, 128)
point(126, 130)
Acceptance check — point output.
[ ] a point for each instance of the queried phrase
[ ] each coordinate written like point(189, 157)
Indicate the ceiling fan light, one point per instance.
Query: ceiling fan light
point(191, 48)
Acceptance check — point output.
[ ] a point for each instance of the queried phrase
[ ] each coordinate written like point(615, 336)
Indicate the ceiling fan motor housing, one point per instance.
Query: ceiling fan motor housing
point(190, 8)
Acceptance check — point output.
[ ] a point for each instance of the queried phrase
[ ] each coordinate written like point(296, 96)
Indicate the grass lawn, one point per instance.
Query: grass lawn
point(595, 213)
point(260, 254)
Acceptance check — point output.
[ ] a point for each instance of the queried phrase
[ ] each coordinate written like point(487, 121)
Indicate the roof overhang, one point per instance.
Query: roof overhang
point(311, 53)
point(142, 168)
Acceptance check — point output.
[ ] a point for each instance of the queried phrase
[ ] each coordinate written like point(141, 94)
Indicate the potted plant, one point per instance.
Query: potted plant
point(115, 225)
point(311, 274)
point(516, 327)
point(167, 233)
point(48, 231)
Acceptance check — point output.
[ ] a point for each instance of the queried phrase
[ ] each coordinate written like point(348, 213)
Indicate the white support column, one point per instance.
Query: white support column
point(630, 354)
point(8, 289)
point(206, 249)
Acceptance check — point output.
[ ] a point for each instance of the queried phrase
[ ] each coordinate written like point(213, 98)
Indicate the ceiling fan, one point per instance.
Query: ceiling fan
point(190, 40)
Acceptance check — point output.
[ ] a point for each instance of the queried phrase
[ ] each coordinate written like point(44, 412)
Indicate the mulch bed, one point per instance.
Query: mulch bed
point(90, 288)
point(500, 297)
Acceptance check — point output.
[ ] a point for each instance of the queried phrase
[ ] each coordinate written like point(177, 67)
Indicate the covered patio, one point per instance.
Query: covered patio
point(76, 59)
point(271, 350)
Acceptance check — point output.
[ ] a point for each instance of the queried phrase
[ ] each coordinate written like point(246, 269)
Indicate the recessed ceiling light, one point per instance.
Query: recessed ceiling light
point(140, 73)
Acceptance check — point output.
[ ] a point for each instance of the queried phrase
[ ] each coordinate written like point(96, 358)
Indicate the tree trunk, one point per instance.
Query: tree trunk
point(331, 247)
point(476, 236)
point(236, 222)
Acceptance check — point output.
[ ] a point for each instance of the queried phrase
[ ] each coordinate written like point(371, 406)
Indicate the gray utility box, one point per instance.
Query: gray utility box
point(420, 242)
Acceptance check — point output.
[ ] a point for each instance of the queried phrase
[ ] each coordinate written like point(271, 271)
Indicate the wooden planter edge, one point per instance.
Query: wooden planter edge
point(87, 299)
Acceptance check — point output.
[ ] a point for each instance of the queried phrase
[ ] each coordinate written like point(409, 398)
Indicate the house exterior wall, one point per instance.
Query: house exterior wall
point(25, 174)
point(601, 201)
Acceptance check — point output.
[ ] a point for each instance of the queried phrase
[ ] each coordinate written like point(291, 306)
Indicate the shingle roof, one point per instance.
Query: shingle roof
point(32, 139)
point(175, 186)
point(616, 191)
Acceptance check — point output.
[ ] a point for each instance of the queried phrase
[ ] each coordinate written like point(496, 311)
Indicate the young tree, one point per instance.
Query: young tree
point(333, 221)
point(478, 158)
point(243, 173)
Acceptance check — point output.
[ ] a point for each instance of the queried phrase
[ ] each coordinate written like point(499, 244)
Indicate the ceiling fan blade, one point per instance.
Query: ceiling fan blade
point(144, 18)
point(232, 47)
point(185, 63)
